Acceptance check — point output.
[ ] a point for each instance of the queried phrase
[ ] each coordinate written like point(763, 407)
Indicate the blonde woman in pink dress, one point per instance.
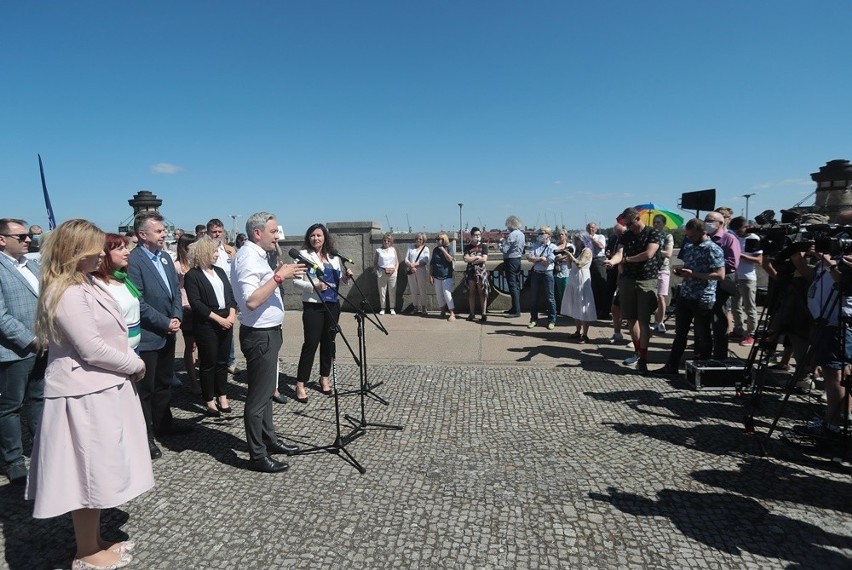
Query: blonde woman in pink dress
point(91, 452)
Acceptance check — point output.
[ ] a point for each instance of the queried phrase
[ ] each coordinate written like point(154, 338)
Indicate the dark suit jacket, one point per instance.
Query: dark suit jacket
point(202, 297)
point(158, 304)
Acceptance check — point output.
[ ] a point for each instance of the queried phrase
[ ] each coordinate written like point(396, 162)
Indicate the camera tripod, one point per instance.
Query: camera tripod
point(762, 351)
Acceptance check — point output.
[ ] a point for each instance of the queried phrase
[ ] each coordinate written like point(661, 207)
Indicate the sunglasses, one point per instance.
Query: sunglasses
point(19, 237)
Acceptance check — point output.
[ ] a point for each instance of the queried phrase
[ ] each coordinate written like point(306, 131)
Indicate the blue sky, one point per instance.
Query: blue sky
point(396, 111)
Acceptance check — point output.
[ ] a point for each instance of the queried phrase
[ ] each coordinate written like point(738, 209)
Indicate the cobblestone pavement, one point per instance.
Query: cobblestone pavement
point(500, 465)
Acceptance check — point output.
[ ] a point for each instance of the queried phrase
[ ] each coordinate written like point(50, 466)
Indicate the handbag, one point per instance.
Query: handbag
point(410, 270)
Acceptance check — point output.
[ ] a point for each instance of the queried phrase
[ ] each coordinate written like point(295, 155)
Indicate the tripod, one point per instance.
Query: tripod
point(340, 442)
point(364, 387)
point(829, 308)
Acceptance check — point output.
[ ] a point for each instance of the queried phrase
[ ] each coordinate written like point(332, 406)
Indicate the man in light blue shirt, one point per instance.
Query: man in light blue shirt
point(513, 248)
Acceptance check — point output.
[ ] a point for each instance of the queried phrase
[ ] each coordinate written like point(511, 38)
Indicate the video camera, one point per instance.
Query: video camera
point(779, 240)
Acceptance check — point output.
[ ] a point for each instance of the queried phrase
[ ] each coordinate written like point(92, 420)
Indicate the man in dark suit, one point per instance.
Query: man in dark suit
point(153, 272)
point(21, 377)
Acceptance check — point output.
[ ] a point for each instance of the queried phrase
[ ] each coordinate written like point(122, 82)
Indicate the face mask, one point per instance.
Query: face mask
point(477, 239)
point(542, 238)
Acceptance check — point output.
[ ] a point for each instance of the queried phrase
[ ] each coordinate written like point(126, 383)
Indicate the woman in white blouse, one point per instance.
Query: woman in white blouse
point(320, 308)
point(214, 312)
point(386, 264)
point(112, 277)
point(417, 267)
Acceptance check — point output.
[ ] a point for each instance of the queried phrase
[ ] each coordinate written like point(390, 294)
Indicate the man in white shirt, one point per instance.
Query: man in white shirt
point(21, 371)
point(256, 288)
point(745, 307)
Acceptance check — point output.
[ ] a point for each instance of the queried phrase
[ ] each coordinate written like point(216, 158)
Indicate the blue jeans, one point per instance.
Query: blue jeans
point(18, 381)
point(512, 267)
point(537, 280)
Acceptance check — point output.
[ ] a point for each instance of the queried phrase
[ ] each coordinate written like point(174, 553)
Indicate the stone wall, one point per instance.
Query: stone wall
point(359, 240)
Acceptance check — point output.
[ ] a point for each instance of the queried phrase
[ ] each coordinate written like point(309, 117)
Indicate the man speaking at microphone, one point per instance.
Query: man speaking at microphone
point(256, 288)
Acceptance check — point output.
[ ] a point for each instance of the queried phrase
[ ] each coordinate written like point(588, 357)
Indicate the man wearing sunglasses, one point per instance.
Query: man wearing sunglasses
point(20, 378)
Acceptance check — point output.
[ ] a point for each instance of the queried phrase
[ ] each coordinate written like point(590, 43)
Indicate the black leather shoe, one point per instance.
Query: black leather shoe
point(281, 447)
point(266, 464)
point(667, 371)
point(279, 399)
point(155, 451)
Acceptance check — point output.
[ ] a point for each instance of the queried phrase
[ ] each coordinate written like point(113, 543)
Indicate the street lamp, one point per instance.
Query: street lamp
point(234, 226)
point(747, 196)
point(461, 236)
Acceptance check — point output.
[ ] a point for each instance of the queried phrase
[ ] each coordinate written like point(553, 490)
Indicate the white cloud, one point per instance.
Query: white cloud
point(166, 168)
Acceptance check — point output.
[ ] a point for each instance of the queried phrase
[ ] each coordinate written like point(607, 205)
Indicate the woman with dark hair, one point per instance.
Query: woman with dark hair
point(214, 312)
point(320, 307)
point(476, 274)
point(182, 267)
point(111, 276)
point(91, 452)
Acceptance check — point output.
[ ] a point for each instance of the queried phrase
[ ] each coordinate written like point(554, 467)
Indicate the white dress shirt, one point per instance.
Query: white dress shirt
point(22, 268)
point(249, 272)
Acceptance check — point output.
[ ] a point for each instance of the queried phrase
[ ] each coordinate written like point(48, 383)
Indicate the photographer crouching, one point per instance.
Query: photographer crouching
point(829, 281)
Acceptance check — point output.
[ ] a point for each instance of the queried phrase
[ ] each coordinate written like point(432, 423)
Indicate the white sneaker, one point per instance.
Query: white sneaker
point(382, 312)
point(631, 360)
point(660, 328)
point(393, 312)
point(806, 384)
point(616, 337)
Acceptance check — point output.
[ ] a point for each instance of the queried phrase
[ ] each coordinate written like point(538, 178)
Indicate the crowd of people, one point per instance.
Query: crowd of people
point(88, 327)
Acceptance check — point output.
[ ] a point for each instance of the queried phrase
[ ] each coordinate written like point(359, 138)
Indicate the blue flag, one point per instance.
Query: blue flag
point(51, 221)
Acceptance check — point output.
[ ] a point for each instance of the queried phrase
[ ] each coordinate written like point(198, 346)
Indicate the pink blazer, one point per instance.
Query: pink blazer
point(92, 352)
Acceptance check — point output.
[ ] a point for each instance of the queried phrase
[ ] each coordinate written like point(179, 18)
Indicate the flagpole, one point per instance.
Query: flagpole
point(51, 220)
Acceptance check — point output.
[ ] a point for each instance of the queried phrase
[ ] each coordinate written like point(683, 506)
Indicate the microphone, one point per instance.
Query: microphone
point(294, 253)
point(342, 257)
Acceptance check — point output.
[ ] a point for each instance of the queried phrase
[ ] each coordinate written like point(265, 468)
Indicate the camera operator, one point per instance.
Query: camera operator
point(703, 266)
point(825, 298)
point(727, 288)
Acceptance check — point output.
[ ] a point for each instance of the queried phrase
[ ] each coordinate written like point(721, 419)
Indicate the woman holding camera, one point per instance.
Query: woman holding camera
point(578, 301)
point(560, 272)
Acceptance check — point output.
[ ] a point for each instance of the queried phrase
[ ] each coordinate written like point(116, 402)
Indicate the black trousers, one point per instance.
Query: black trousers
point(155, 389)
point(599, 286)
point(724, 290)
point(260, 348)
point(689, 312)
point(318, 325)
point(214, 349)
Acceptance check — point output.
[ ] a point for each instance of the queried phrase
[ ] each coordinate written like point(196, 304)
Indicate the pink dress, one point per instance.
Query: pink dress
point(92, 448)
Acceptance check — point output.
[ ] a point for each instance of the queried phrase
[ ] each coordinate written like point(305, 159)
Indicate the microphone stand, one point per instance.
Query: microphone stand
point(338, 446)
point(365, 389)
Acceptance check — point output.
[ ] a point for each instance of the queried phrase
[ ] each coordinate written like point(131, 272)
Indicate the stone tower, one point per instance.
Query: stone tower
point(834, 188)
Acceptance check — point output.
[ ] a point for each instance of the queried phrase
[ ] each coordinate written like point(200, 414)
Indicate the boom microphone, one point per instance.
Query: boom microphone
point(342, 257)
point(294, 253)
